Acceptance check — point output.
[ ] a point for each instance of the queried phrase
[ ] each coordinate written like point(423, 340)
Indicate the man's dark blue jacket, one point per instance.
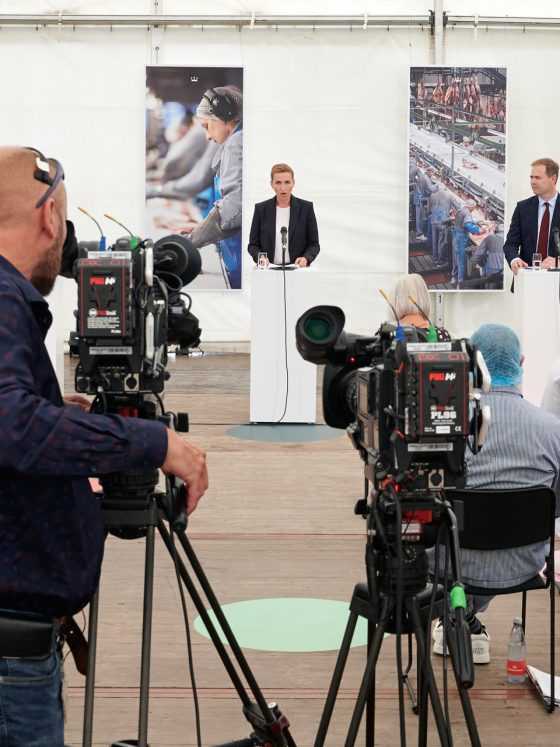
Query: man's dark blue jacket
point(51, 532)
point(522, 236)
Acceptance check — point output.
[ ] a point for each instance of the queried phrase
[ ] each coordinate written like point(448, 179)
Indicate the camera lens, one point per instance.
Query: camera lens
point(317, 329)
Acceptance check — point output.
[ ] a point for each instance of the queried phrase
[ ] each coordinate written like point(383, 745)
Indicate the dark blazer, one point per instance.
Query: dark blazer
point(522, 236)
point(303, 236)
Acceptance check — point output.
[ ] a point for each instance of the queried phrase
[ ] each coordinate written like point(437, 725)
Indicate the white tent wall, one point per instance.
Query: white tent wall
point(333, 103)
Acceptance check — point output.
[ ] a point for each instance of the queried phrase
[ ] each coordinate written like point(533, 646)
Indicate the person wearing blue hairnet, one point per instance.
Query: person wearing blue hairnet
point(522, 450)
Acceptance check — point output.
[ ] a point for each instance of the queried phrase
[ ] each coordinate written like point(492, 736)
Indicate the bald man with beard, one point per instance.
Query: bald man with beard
point(51, 531)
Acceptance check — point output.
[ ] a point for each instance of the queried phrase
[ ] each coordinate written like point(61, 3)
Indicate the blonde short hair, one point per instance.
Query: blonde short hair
point(410, 285)
point(281, 168)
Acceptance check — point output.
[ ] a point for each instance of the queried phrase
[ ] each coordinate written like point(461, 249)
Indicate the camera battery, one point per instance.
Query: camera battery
point(104, 288)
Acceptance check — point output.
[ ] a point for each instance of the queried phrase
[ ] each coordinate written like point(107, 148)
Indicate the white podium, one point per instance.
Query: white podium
point(269, 382)
point(538, 327)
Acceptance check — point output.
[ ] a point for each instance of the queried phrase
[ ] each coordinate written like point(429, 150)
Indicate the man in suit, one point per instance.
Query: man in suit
point(533, 220)
point(284, 210)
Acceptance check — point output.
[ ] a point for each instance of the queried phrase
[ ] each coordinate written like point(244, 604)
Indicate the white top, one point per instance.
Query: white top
point(551, 206)
point(282, 219)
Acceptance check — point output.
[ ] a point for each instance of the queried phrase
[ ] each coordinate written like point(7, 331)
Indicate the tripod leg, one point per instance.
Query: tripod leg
point(90, 677)
point(428, 686)
point(269, 717)
point(146, 638)
point(369, 674)
point(406, 677)
point(370, 707)
point(464, 696)
point(336, 680)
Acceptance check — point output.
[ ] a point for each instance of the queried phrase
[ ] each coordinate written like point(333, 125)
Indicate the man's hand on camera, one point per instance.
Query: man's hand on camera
point(189, 464)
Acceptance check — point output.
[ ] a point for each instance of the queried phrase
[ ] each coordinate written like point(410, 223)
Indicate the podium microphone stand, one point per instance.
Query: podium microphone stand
point(284, 236)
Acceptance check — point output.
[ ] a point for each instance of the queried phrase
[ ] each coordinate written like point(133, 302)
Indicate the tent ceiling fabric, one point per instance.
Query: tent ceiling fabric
point(497, 9)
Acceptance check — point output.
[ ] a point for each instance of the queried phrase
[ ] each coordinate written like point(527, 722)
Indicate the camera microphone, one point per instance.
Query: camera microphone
point(110, 217)
point(103, 239)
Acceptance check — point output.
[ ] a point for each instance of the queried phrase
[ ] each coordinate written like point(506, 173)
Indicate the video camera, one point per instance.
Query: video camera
point(130, 308)
point(410, 406)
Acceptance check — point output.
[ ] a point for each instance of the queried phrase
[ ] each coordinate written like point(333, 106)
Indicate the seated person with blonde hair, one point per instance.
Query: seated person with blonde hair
point(410, 303)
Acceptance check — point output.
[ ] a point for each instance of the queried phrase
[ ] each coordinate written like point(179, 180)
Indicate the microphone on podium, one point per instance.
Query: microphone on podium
point(284, 237)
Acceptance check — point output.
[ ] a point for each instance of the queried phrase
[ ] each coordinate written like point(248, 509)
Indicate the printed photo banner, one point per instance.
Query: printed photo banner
point(457, 176)
point(194, 165)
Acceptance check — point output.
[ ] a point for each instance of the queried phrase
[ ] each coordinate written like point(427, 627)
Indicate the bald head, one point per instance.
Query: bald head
point(19, 190)
point(31, 237)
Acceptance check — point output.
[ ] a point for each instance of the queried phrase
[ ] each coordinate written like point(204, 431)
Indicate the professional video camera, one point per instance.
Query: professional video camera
point(411, 406)
point(130, 307)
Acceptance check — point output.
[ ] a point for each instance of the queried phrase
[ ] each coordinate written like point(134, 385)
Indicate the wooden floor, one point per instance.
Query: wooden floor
point(277, 521)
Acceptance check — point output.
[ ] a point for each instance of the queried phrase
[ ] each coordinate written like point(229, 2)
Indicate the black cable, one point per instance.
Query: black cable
point(188, 636)
point(285, 349)
point(222, 267)
point(398, 614)
point(160, 402)
point(445, 624)
point(435, 583)
point(186, 295)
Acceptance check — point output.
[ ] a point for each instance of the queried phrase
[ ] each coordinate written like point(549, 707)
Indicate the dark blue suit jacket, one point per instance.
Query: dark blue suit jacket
point(303, 236)
point(522, 236)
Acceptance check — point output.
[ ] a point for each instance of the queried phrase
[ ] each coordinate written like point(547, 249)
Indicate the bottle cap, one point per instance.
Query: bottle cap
point(517, 621)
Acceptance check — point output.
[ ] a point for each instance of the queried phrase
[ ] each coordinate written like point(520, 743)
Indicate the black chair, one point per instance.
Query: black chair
point(502, 519)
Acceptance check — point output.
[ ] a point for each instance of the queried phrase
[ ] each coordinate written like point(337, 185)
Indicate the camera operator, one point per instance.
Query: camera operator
point(51, 531)
point(408, 314)
point(521, 450)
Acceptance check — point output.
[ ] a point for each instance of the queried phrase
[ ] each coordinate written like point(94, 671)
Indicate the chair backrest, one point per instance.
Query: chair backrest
point(501, 519)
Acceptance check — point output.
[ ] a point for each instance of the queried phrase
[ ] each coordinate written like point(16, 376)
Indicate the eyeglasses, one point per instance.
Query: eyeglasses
point(43, 174)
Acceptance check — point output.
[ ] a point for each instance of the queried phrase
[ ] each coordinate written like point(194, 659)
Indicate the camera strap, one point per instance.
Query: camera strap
point(72, 634)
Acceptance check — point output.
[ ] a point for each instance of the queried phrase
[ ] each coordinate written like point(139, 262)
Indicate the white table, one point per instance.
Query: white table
point(538, 327)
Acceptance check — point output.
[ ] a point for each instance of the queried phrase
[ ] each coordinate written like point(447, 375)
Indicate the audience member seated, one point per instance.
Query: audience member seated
point(522, 450)
point(410, 289)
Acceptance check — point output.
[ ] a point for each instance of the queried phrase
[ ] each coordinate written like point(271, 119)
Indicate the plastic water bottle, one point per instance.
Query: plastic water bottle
point(517, 654)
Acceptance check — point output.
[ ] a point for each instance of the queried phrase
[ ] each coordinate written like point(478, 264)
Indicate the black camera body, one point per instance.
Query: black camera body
point(412, 413)
point(121, 321)
point(130, 308)
point(409, 405)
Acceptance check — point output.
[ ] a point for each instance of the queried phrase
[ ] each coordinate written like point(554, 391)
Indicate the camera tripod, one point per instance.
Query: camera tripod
point(398, 600)
point(141, 517)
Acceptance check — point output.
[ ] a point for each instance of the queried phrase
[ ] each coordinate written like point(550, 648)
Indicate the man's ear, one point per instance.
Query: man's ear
point(48, 218)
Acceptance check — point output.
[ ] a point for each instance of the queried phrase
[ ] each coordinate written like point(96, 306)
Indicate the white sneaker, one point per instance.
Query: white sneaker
point(481, 647)
point(480, 643)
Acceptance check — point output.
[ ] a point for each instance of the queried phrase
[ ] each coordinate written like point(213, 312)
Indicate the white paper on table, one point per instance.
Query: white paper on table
point(541, 680)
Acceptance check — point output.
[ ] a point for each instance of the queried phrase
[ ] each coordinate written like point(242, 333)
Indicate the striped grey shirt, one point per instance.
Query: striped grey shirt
point(522, 450)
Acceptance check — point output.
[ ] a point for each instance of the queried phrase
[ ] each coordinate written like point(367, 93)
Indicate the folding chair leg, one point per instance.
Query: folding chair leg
point(552, 646)
point(524, 611)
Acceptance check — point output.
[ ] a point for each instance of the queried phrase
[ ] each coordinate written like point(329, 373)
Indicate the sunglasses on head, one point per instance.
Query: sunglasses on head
point(43, 174)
